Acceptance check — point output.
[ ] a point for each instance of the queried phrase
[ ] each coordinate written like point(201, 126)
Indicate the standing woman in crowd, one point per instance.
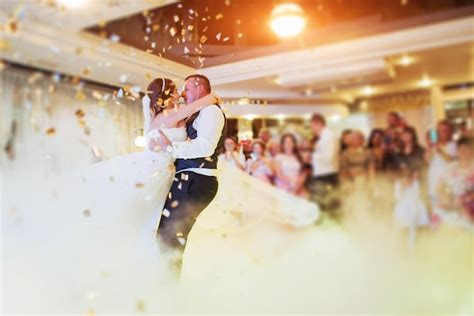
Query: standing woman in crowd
point(411, 152)
point(231, 153)
point(258, 165)
point(356, 160)
point(345, 139)
point(441, 151)
point(377, 148)
point(287, 165)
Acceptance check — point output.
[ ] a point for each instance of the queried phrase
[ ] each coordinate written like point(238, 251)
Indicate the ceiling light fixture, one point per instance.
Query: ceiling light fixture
point(426, 82)
point(368, 90)
point(72, 4)
point(287, 20)
point(405, 60)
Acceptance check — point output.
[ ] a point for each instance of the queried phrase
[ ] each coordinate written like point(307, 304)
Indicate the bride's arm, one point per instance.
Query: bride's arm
point(183, 112)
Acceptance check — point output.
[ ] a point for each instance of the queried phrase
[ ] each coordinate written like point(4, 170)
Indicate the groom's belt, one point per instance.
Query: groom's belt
point(196, 163)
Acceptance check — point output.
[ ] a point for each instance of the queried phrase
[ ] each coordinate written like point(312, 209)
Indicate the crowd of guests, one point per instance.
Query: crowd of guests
point(430, 183)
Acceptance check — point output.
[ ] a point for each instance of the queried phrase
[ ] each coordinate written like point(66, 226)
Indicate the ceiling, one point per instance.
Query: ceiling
point(347, 46)
point(203, 33)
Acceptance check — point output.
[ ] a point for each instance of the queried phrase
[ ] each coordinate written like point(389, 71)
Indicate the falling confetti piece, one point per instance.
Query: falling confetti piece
point(186, 50)
point(166, 213)
point(139, 185)
point(50, 131)
point(86, 213)
point(182, 241)
point(174, 204)
point(170, 195)
point(102, 23)
point(190, 27)
point(225, 39)
point(203, 39)
point(114, 38)
point(172, 31)
point(111, 179)
point(179, 234)
point(96, 153)
point(180, 186)
point(140, 306)
point(123, 78)
point(218, 36)
point(176, 19)
point(86, 71)
point(120, 93)
point(79, 113)
point(219, 16)
point(184, 177)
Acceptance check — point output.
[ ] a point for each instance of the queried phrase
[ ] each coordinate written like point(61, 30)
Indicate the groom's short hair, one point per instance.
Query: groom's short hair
point(201, 80)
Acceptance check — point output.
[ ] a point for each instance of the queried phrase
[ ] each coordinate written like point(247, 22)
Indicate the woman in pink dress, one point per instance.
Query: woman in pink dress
point(287, 165)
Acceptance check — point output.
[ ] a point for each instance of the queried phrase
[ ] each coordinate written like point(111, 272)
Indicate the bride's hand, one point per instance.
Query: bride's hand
point(212, 98)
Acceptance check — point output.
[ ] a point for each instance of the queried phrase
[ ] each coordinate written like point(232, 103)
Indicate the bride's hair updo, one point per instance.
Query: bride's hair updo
point(160, 90)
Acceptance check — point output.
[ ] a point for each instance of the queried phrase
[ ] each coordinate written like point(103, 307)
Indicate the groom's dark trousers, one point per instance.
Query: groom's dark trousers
point(189, 195)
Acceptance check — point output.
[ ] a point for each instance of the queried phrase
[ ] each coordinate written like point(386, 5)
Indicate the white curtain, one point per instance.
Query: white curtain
point(49, 137)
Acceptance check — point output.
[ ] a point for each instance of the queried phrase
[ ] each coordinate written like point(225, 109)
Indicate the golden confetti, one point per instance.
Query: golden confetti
point(4, 45)
point(218, 36)
point(190, 27)
point(219, 16)
point(87, 213)
point(176, 19)
point(81, 96)
point(50, 131)
point(179, 234)
point(102, 23)
point(148, 76)
point(80, 113)
point(172, 31)
point(174, 204)
point(86, 71)
point(12, 26)
point(140, 306)
point(240, 35)
point(166, 213)
point(225, 39)
point(186, 50)
point(170, 195)
point(139, 185)
point(155, 27)
point(203, 39)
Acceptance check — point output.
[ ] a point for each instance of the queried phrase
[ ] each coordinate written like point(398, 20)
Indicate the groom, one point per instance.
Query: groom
point(195, 184)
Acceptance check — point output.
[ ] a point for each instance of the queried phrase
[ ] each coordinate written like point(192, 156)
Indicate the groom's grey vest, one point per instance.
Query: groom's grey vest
point(207, 163)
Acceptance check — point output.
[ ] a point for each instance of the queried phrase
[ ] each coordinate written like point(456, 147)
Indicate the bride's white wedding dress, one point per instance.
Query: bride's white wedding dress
point(86, 239)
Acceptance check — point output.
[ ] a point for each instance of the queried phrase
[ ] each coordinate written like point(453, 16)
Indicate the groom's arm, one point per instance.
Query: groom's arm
point(209, 129)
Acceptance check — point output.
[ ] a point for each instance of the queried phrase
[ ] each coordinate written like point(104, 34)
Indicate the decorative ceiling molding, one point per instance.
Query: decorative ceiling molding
point(331, 56)
point(287, 110)
point(84, 14)
point(48, 48)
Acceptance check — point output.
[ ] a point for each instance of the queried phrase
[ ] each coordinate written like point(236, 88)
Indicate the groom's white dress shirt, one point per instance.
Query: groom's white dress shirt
point(208, 124)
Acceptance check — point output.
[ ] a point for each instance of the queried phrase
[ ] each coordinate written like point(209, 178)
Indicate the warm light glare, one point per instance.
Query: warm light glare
point(140, 141)
point(250, 117)
point(243, 101)
point(426, 82)
point(368, 90)
point(287, 20)
point(405, 60)
point(72, 4)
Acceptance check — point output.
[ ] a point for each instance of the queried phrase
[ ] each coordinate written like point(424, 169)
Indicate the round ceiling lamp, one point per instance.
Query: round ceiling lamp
point(287, 20)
